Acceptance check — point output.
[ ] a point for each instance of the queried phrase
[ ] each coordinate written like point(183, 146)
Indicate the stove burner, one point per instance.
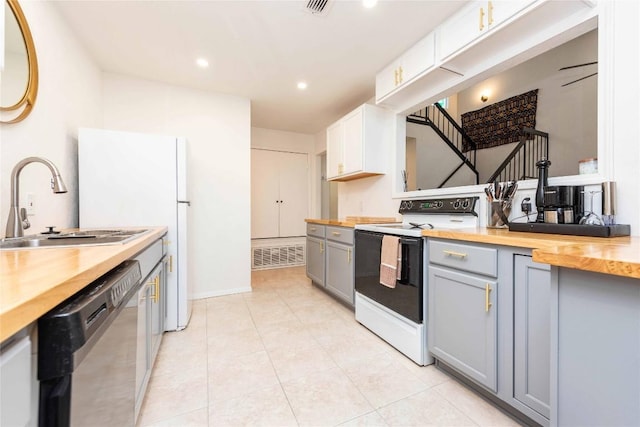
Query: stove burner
point(415, 225)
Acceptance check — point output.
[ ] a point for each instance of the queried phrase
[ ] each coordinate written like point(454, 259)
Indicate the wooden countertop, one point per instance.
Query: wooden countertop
point(33, 281)
point(617, 255)
point(351, 221)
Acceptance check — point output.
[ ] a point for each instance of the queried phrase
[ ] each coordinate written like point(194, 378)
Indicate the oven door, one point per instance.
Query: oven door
point(406, 298)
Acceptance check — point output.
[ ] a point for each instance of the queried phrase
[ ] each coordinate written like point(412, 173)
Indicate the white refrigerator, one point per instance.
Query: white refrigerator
point(132, 179)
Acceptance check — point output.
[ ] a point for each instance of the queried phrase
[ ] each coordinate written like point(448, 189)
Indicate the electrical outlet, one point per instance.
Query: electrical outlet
point(31, 210)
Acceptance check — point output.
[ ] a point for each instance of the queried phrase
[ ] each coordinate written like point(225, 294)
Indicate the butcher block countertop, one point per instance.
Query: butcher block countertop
point(33, 281)
point(351, 221)
point(617, 255)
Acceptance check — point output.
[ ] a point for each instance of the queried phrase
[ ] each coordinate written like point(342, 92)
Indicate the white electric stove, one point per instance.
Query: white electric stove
point(398, 314)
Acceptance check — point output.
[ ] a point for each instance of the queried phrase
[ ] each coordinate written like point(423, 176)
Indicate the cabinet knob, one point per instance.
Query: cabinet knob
point(336, 233)
point(481, 25)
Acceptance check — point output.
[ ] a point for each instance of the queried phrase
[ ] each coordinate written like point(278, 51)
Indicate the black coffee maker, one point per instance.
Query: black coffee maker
point(563, 204)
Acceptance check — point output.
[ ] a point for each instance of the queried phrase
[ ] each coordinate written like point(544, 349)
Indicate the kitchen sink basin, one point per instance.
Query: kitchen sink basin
point(75, 238)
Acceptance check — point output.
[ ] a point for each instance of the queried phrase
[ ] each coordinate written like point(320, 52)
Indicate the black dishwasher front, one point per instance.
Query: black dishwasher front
point(87, 354)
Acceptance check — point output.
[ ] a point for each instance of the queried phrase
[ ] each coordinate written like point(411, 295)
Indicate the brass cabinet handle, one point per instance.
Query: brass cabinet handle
point(490, 9)
point(170, 263)
point(453, 253)
point(312, 228)
point(321, 247)
point(481, 26)
point(487, 303)
point(349, 255)
point(400, 73)
point(340, 168)
point(156, 288)
point(336, 233)
point(396, 79)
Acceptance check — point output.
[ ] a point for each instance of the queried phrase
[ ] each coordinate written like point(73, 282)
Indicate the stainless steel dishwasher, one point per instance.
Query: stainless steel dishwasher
point(88, 350)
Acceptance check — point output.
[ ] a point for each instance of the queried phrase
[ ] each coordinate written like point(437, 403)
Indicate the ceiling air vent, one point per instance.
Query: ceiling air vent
point(317, 7)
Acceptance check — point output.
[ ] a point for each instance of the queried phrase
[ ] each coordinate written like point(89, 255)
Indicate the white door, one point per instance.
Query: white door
point(265, 194)
point(294, 190)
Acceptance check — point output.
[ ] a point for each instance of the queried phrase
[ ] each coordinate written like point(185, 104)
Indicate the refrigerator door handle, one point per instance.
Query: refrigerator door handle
point(185, 201)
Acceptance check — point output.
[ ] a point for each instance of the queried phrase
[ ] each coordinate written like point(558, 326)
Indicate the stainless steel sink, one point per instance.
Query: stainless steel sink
point(76, 238)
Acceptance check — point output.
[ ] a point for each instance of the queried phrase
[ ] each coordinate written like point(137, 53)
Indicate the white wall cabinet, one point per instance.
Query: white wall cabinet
point(484, 35)
point(418, 59)
point(279, 194)
point(357, 144)
point(474, 21)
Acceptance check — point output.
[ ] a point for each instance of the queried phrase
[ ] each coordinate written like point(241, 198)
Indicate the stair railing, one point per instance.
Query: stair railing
point(521, 162)
point(436, 117)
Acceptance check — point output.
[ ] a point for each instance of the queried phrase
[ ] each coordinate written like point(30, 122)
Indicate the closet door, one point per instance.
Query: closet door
point(294, 194)
point(265, 194)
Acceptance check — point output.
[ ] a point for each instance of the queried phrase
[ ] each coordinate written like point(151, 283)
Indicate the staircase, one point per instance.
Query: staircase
point(436, 117)
point(521, 162)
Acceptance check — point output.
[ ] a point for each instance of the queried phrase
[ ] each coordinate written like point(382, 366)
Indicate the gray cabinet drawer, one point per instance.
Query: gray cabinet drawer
point(340, 234)
point(475, 259)
point(315, 229)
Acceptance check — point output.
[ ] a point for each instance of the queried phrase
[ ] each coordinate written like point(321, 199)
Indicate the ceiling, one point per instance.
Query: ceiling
point(258, 49)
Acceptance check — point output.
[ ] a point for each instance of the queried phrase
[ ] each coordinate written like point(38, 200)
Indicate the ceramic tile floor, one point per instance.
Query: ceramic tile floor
point(287, 354)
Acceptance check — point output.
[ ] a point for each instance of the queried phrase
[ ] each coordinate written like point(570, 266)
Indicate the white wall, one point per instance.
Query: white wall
point(217, 128)
point(69, 97)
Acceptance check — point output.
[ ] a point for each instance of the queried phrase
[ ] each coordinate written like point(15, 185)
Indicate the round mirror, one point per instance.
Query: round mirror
point(19, 77)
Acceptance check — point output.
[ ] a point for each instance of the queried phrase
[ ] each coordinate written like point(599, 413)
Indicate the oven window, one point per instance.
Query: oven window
point(406, 298)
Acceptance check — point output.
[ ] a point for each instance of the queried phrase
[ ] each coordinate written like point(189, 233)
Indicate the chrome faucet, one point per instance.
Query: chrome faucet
point(17, 221)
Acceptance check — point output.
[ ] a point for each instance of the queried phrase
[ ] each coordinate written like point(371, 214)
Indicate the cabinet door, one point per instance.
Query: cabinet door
point(265, 194)
point(462, 28)
point(463, 323)
point(501, 10)
point(340, 273)
point(353, 141)
point(294, 199)
point(387, 80)
point(474, 21)
point(418, 59)
point(315, 260)
point(532, 334)
point(158, 287)
point(335, 154)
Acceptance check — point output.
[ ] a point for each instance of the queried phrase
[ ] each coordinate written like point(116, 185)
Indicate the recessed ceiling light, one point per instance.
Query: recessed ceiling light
point(369, 3)
point(302, 85)
point(202, 63)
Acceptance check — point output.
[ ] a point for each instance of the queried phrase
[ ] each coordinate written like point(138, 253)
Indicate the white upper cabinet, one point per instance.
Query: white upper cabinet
point(415, 61)
point(474, 21)
point(358, 144)
point(481, 37)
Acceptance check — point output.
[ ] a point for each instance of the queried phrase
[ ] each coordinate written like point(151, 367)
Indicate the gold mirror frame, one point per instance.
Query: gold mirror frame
point(29, 98)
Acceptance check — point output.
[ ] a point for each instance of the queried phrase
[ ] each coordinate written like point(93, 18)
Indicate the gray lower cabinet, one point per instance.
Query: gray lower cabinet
point(596, 349)
point(315, 253)
point(489, 318)
point(340, 273)
point(532, 334)
point(463, 323)
point(330, 260)
point(315, 259)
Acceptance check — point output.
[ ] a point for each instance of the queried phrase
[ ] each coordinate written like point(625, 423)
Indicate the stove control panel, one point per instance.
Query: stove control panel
point(451, 205)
